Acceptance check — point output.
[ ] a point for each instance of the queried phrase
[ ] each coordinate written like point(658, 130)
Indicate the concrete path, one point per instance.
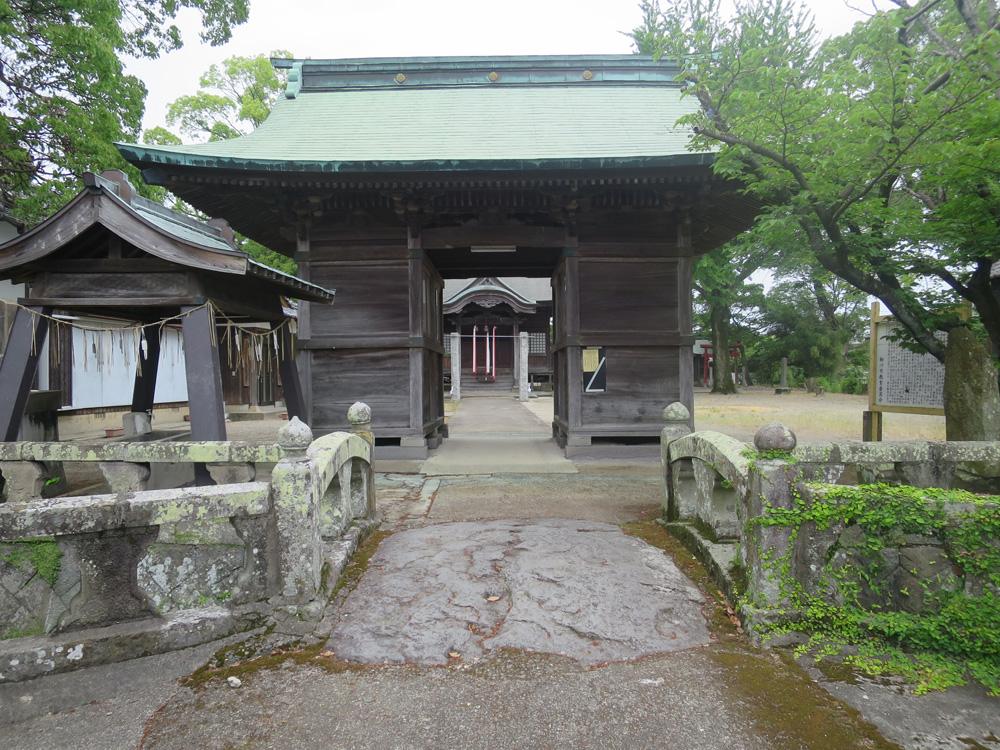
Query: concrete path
point(497, 435)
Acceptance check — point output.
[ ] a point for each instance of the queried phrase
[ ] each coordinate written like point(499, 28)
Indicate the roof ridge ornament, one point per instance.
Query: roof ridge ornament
point(294, 84)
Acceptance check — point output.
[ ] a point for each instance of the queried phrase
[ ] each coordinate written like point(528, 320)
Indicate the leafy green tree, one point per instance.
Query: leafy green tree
point(878, 148)
point(720, 285)
point(815, 320)
point(64, 94)
point(233, 98)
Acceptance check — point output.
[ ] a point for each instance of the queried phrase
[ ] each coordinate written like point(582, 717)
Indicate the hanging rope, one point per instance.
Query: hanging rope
point(100, 342)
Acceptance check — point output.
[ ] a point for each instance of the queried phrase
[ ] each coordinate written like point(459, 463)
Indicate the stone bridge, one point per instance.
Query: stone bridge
point(101, 578)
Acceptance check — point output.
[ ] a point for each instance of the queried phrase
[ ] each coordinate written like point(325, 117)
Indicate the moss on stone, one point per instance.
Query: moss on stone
point(42, 555)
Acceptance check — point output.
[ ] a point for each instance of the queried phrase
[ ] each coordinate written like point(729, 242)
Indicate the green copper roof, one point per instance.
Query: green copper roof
point(454, 114)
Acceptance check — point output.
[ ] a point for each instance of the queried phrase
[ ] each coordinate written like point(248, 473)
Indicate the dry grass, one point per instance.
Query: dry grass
point(833, 416)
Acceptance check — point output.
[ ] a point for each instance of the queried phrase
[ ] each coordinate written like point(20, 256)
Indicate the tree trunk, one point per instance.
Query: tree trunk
point(971, 394)
point(722, 380)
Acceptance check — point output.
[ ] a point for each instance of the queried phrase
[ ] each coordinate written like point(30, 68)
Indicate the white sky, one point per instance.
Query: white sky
point(404, 28)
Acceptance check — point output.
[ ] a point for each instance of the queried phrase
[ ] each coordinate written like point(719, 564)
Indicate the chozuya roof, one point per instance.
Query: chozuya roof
point(488, 291)
point(176, 238)
point(457, 114)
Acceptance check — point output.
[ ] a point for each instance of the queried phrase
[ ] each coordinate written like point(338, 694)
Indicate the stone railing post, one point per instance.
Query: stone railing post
point(771, 485)
point(456, 366)
point(677, 424)
point(298, 557)
point(23, 480)
point(523, 386)
point(125, 476)
point(359, 416)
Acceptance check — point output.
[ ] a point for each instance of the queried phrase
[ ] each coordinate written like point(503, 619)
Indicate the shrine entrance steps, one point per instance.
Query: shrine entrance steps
point(475, 386)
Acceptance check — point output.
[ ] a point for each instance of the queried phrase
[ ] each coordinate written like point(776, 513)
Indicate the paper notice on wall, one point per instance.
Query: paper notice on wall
point(591, 359)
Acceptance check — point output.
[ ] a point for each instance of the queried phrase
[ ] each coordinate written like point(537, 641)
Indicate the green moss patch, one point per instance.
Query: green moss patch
point(358, 563)
point(41, 555)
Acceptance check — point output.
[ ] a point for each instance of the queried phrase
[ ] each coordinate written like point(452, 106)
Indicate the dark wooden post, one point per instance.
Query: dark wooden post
point(17, 369)
point(204, 375)
point(289, 371)
point(144, 388)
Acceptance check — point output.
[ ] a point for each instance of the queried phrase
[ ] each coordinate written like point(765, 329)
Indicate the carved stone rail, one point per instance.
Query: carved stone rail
point(126, 465)
point(109, 534)
point(297, 533)
point(707, 474)
point(336, 472)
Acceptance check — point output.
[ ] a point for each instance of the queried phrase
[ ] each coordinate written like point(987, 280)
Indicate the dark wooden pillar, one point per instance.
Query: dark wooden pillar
point(144, 388)
point(289, 371)
point(17, 369)
point(204, 376)
point(303, 360)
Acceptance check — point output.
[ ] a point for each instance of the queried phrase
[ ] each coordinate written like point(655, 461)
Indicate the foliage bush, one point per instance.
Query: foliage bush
point(955, 639)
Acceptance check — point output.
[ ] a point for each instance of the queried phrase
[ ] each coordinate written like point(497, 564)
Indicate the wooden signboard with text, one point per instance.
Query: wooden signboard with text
point(899, 380)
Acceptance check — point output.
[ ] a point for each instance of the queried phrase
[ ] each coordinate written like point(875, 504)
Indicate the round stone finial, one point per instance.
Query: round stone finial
point(359, 413)
point(774, 437)
point(295, 436)
point(676, 412)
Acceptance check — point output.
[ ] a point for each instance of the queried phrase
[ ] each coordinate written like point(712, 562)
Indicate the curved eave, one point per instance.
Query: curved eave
point(291, 286)
point(114, 215)
point(144, 157)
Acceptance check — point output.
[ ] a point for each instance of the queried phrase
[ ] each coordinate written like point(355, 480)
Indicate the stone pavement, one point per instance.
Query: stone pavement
point(467, 590)
point(497, 435)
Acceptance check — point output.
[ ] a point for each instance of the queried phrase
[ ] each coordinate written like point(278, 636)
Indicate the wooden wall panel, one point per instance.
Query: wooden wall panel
point(379, 377)
point(640, 382)
point(628, 296)
point(370, 300)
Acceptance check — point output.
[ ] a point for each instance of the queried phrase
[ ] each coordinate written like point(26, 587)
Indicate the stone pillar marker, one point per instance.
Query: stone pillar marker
point(456, 366)
point(783, 382)
point(523, 387)
point(771, 485)
point(360, 418)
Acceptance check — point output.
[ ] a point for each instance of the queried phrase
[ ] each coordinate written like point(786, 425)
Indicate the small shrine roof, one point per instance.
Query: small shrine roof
point(110, 201)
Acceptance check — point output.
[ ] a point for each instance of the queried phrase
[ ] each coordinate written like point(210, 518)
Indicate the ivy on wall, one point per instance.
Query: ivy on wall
point(856, 599)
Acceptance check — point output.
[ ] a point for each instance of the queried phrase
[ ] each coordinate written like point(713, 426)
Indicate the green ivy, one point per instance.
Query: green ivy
point(753, 456)
point(955, 639)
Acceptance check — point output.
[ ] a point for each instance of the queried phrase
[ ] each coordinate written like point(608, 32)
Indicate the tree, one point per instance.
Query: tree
point(814, 319)
point(63, 91)
point(877, 149)
point(233, 98)
point(720, 284)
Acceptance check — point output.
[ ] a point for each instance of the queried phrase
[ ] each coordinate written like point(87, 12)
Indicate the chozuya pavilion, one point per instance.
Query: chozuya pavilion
point(386, 176)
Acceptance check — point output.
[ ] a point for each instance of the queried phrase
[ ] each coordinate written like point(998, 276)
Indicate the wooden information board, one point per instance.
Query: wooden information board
point(899, 380)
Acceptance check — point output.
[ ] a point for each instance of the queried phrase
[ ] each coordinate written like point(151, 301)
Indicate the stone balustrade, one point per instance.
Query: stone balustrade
point(127, 465)
point(706, 473)
point(107, 536)
point(722, 489)
point(285, 543)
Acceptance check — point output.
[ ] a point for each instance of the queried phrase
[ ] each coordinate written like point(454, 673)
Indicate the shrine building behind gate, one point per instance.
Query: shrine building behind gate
point(383, 177)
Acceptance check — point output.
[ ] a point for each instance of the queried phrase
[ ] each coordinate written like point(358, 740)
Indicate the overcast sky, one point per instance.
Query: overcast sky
point(396, 28)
